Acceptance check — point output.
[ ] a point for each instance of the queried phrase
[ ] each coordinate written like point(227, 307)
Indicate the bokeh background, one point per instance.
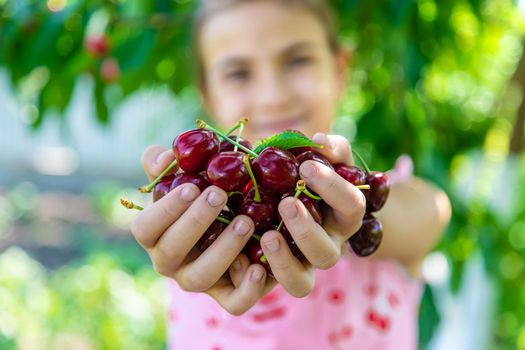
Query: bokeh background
point(85, 86)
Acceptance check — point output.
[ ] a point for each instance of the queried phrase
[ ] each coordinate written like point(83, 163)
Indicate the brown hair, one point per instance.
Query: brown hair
point(206, 8)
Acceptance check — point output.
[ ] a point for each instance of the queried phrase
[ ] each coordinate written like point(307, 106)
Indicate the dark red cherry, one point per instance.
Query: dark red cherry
point(204, 175)
point(234, 201)
point(351, 173)
point(377, 195)
point(227, 171)
point(291, 243)
point(214, 231)
point(262, 213)
point(194, 148)
point(163, 187)
point(368, 238)
point(110, 70)
point(313, 155)
point(298, 150)
point(97, 44)
point(226, 146)
point(196, 179)
point(256, 255)
point(276, 170)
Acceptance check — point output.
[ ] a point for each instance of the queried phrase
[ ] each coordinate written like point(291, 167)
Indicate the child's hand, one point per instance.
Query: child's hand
point(169, 228)
point(320, 245)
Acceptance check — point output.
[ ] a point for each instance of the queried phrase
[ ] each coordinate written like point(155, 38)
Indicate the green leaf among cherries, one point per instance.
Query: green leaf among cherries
point(285, 140)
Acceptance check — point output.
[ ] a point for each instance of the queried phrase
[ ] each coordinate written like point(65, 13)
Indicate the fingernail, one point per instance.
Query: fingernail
point(188, 193)
point(215, 199)
point(236, 266)
point(257, 275)
point(320, 138)
point(272, 245)
point(241, 228)
point(290, 211)
point(307, 170)
point(363, 197)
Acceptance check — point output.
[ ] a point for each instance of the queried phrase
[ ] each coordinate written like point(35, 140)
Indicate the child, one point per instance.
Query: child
point(278, 63)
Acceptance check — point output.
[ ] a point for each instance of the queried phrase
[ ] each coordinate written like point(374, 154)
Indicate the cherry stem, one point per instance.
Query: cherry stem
point(202, 124)
point(227, 222)
point(237, 125)
point(311, 195)
point(257, 197)
point(129, 204)
point(234, 192)
point(151, 186)
point(241, 128)
point(362, 161)
point(263, 259)
point(300, 187)
point(363, 187)
point(223, 220)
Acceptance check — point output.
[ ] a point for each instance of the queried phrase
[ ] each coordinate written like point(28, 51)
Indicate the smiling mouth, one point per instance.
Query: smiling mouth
point(278, 126)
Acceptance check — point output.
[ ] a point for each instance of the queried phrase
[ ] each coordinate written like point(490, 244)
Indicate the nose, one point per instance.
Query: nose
point(273, 92)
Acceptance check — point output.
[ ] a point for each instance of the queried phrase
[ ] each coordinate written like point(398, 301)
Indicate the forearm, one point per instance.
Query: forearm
point(414, 218)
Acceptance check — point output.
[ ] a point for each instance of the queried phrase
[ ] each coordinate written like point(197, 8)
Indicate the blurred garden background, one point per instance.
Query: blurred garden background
point(85, 86)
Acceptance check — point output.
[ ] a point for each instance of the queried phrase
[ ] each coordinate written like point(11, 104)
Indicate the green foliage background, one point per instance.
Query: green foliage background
point(442, 81)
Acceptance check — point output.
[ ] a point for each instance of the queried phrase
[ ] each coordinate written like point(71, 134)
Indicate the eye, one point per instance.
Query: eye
point(300, 61)
point(238, 75)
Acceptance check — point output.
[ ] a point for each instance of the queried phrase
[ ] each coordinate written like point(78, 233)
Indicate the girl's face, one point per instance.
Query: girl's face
point(272, 64)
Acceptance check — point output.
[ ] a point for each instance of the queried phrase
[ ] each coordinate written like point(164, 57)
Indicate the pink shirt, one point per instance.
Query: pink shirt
point(360, 303)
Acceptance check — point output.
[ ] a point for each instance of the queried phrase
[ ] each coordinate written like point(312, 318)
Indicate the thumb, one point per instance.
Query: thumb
point(402, 171)
point(155, 159)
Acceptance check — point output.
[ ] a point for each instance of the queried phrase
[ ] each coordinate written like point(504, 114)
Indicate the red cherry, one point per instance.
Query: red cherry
point(313, 208)
point(291, 243)
point(97, 44)
point(226, 146)
point(256, 253)
point(227, 171)
point(351, 173)
point(196, 179)
point(298, 150)
point(379, 189)
point(110, 70)
point(163, 187)
point(194, 148)
point(313, 155)
point(368, 238)
point(276, 170)
point(262, 213)
point(234, 201)
point(213, 232)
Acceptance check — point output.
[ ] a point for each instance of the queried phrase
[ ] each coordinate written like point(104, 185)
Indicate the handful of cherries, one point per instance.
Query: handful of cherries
point(257, 178)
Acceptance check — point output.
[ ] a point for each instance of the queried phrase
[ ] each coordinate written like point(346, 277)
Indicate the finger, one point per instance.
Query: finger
point(347, 201)
point(336, 148)
point(215, 260)
point(238, 269)
point(183, 234)
point(322, 250)
point(402, 171)
point(155, 159)
point(150, 223)
point(287, 269)
point(239, 300)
